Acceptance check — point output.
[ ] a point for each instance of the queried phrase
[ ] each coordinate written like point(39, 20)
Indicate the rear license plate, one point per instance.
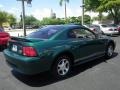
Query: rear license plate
point(14, 48)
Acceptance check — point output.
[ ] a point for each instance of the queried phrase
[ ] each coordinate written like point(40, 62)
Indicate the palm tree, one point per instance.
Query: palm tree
point(61, 3)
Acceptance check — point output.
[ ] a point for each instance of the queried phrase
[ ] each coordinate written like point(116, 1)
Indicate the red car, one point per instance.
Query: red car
point(4, 37)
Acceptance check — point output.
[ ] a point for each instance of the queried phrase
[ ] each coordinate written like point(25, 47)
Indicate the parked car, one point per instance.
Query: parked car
point(95, 28)
point(109, 29)
point(4, 37)
point(29, 27)
point(56, 48)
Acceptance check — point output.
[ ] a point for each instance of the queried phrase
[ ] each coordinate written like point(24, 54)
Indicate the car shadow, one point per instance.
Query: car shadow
point(45, 78)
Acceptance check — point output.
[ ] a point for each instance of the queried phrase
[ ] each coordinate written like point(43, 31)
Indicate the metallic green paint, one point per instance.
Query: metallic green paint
point(49, 49)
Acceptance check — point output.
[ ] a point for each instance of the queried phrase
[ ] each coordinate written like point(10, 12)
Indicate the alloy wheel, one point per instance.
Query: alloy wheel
point(63, 67)
point(110, 50)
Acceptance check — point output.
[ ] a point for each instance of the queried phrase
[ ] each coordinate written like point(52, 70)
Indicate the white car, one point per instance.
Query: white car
point(109, 29)
point(95, 28)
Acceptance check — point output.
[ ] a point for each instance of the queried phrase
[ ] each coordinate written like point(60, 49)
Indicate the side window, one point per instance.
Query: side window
point(81, 33)
point(88, 34)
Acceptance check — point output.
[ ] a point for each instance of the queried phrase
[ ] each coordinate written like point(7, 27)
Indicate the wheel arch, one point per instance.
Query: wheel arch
point(63, 53)
point(111, 42)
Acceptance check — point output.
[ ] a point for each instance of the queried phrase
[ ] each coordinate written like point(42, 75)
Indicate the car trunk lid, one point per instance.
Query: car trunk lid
point(16, 44)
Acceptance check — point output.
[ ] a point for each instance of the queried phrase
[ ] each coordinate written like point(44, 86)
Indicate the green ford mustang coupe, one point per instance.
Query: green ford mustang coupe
point(56, 48)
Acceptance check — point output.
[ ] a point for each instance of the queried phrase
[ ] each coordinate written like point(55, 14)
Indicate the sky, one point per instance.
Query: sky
point(42, 8)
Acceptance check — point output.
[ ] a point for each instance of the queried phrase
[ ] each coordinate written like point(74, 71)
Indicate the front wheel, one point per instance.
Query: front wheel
point(62, 66)
point(109, 51)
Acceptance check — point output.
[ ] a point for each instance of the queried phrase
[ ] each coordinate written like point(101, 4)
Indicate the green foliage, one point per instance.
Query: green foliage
point(61, 2)
point(30, 20)
point(107, 5)
point(91, 5)
point(87, 19)
point(50, 21)
point(110, 6)
point(57, 21)
point(7, 17)
point(76, 20)
point(11, 20)
point(3, 17)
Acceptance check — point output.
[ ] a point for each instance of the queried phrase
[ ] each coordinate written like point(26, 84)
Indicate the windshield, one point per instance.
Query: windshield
point(45, 32)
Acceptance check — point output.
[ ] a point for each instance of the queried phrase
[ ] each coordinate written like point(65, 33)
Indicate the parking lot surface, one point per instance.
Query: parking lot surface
point(100, 74)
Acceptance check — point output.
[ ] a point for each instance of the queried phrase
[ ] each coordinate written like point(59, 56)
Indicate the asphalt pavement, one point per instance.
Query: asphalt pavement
point(100, 74)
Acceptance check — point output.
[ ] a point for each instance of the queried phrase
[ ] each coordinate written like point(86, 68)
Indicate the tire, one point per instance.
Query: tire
point(62, 66)
point(109, 51)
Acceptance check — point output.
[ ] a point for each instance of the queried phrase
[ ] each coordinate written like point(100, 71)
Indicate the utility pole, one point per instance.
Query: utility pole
point(83, 5)
point(23, 17)
point(23, 13)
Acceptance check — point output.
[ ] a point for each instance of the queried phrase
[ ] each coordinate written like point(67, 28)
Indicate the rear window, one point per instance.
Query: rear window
point(45, 32)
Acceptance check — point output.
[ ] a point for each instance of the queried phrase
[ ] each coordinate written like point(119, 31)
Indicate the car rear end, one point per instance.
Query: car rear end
point(23, 57)
point(108, 30)
point(112, 31)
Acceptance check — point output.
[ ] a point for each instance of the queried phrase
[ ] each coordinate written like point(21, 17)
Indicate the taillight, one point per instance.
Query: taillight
point(94, 29)
point(29, 51)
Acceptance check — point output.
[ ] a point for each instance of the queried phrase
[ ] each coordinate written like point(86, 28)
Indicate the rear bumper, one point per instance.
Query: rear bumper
point(112, 32)
point(26, 65)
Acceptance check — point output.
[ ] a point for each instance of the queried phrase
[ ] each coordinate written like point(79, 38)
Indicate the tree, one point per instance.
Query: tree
point(11, 20)
point(91, 5)
point(61, 3)
point(7, 17)
point(74, 20)
point(50, 21)
point(30, 20)
point(87, 19)
point(3, 17)
point(110, 6)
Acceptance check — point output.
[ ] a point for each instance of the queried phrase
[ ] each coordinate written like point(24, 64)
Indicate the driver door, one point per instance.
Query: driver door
point(87, 44)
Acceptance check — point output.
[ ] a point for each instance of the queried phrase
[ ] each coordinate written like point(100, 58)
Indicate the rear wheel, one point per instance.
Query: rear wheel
point(62, 66)
point(109, 51)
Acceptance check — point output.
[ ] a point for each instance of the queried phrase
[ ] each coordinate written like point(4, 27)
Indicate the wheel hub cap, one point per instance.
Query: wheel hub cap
point(110, 51)
point(63, 67)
